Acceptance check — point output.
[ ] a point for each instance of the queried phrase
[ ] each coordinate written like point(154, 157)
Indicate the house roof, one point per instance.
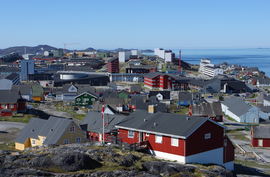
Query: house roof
point(5, 84)
point(163, 123)
point(31, 130)
point(185, 96)
point(12, 76)
point(52, 129)
point(236, 105)
point(166, 94)
point(9, 96)
point(24, 89)
point(266, 97)
point(207, 109)
point(141, 102)
point(261, 132)
point(94, 121)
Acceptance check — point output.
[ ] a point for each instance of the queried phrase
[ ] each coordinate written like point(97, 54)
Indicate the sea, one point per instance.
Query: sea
point(259, 57)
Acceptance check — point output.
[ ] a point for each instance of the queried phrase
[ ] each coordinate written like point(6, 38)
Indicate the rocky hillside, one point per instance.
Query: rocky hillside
point(86, 160)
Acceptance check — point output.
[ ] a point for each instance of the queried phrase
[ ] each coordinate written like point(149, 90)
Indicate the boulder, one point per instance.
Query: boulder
point(74, 161)
point(166, 168)
point(128, 160)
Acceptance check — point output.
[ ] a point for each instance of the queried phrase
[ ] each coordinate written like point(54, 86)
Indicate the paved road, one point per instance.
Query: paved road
point(5, 126)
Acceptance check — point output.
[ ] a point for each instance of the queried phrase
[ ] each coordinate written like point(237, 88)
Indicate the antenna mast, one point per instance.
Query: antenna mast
point(179, 62)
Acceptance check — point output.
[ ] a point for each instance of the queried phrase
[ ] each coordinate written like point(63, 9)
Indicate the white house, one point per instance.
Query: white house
point(236, 108)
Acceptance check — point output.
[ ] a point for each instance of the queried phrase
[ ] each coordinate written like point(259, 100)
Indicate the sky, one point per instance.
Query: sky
point(143, 24)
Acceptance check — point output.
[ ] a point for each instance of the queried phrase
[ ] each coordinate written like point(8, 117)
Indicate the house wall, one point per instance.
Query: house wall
point(198, 138)
point(228, 150)
point(21, 147)
point(227, 112)
point(84, 100)
point(255, 142)
point(71, 136)
point(266, 103)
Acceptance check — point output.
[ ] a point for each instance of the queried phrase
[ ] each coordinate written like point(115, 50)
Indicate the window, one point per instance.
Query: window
point(78, 99)
point(72, 129)
point(130, 134)
point(66, 141)
point(175, 142)
point(260, 142)
point(33, 141)
point(78, 140)
point(11, 106)
point(85, 100)
point(147, 134)
point(207, 136)
point(158, 139)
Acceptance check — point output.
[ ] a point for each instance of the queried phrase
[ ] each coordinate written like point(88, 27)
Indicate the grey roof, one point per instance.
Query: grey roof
point(8, 69)
point(207, 109)
point(31, 130)
point(12, 76)
point(266, 97)
point(9, 96)
point(163, 123)
point(24, 89)
point(141, 102)
point(166, 94)
point(261, 132)
point(185, 96)
point(94, 121)
point(52, 129)
point(236, 105)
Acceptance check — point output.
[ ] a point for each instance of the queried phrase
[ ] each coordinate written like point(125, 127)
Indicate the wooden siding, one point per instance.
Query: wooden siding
point(197, 143)
point(255, 142)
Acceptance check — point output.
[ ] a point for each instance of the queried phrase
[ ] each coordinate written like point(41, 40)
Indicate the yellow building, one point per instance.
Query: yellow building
point(54, 131)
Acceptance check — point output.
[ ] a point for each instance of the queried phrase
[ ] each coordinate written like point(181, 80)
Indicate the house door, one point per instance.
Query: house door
point(260, 143)
point(140, 137)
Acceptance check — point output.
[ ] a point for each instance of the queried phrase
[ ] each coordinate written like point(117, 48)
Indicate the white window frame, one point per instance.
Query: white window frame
point(174, 142)
point(33, 142)
point(158, 139)
point(130, 134)
point(147, 134)
point(260, 142)
point(11, 106)
point(207, 136)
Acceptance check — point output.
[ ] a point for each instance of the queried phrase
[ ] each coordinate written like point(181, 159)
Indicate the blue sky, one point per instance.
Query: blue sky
point(140, 24)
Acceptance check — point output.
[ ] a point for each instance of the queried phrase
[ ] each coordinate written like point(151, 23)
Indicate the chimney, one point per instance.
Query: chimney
point(151, 109)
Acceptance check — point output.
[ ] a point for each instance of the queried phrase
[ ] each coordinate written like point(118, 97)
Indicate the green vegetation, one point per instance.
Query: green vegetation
point(20, 118)
point(253, 164)
point(7, 146)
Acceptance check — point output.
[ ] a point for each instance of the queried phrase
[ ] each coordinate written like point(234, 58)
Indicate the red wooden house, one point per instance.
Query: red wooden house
point(164, 81)
point(260, 136)
point(178, 137)
point(11, 102)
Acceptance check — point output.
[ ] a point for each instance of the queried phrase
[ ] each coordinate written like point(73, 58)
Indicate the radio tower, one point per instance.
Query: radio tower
point(179, 62)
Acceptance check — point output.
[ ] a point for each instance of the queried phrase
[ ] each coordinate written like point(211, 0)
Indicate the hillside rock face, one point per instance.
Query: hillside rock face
point(89, 161)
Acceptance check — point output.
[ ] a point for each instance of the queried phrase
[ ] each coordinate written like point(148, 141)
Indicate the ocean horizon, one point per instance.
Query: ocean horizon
point(252, 57)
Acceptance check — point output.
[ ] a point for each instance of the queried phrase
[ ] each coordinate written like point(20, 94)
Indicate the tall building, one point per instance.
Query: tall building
point(135, 52)
point(124, 56)
point(27, 67)
point(113, 65)
point(209, 69)
point(167, 55)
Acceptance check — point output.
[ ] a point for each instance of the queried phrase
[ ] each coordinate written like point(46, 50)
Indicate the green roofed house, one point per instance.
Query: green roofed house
point(85, 99)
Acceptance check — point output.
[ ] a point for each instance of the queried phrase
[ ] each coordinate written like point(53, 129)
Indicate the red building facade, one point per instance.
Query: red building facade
point(113, 65)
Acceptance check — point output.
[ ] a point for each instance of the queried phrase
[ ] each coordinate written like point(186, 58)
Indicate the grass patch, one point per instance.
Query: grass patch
point(78, 116)
point(252, 164)
point(7, 146)
point(23, 119)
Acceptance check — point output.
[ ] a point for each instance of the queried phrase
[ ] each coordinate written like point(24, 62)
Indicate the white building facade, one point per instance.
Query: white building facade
point(209, 69)
point(124, 56)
